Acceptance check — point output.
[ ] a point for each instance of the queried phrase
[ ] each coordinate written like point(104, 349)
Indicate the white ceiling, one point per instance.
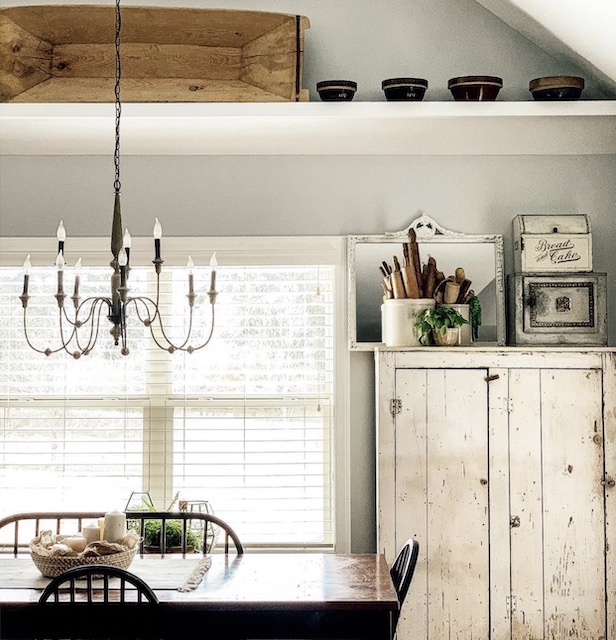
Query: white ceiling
point(580, 32)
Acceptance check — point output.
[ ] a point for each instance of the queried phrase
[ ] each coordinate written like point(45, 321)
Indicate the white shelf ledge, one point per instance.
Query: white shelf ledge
point(313, 128)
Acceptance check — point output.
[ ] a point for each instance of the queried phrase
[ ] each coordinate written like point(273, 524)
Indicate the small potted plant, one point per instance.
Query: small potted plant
point(152, 529)
point(173, 537)
point(442, 323)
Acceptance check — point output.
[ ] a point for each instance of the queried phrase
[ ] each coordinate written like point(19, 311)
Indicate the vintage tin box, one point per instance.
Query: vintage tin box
point(552, 244)
point(563, 309)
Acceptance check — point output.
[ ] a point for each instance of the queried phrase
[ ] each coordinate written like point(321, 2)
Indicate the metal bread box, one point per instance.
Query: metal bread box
point(552, 244)
point(563, 309)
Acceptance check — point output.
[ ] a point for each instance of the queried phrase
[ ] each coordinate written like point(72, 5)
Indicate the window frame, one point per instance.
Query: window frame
point(239, 251)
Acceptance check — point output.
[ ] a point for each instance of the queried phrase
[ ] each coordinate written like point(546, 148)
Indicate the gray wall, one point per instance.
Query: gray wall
point(367, 42)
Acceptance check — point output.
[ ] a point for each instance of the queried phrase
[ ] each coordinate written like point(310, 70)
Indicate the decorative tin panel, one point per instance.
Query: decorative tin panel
point(557, 309)
point(555, 304)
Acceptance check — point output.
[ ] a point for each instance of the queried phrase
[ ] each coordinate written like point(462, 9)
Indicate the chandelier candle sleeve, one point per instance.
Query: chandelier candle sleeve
point(115, 526)
point(213, 264)
point(61, 236)
point(123, 261)
point(77, 278)
point(191, 283)
point(60, 266)
point(27, 265)
point(158, 234)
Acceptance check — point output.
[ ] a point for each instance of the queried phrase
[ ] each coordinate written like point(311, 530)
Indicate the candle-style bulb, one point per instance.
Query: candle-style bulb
point(77, 266)
point(60, 264)
point(190, 265)
point(158, 230)
point(61, 232)
point(27, 265)
point(127, 240)
point(213, 261)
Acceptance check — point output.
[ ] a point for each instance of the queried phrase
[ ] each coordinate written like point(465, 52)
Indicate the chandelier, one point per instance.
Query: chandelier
point(79, 329)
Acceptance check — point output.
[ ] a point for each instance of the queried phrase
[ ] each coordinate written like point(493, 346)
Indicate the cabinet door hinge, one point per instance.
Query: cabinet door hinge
point(508, 405)
point(395, 406)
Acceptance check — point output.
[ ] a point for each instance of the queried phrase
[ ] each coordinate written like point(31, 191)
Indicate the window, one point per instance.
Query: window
point(246, 423)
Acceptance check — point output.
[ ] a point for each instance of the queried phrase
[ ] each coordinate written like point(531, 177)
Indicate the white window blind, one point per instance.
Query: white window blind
point(246, 423)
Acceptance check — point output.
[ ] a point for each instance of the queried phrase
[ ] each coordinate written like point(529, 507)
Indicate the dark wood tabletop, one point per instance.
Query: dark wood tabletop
point(257, 595)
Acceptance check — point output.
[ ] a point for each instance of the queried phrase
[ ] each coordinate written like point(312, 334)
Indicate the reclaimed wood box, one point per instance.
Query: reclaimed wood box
point(552, 243)
point(557, 309)
point(61, 53)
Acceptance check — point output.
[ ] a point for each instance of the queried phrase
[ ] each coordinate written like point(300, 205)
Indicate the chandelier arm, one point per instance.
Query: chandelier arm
point(162, 330)
point(71, 322)
point(77, 322)
point(94, 333)
point(201, 346)
point(189, 332)
point(146, 321)
point(170, 344)
point(149, 321)
point(93, 319)
point(94, 300)
point(46, 352)
point(158, 315)
point(65, 343)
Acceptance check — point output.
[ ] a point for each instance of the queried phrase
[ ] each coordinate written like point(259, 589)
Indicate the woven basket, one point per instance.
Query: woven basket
point(54, 566)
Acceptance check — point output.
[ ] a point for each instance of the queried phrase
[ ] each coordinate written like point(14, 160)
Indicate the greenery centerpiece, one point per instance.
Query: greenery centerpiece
point(173, 529)
point(441, 322)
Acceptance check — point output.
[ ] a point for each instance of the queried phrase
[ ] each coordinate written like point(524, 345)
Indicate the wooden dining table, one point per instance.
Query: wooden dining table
point(254, 595)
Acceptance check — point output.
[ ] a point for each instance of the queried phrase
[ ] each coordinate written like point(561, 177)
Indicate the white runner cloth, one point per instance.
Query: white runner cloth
point(182, 574)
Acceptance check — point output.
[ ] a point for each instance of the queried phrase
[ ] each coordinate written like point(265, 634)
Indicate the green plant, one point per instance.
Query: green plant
point(475, 315)
point(440, 318)
point(173, 534)
point(173, 528)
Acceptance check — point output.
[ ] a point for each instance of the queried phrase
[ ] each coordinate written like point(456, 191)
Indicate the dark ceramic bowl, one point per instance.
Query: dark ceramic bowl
point(397, 89)
point(479, 88)
point(337, 90)
point(556, 88)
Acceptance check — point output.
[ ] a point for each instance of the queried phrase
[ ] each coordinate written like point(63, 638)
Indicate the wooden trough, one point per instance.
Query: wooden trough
point(60, 53)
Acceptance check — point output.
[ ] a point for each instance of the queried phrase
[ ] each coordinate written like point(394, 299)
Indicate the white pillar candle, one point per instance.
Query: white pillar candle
point(115, 526)
point(76, 543)
point(101, 527)
point(91, 534)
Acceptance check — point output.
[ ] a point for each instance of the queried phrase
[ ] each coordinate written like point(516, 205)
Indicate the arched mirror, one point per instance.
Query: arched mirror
point(481, 257)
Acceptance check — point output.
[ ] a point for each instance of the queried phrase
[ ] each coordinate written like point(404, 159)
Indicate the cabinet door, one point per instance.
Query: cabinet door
point(557, 504)
point(440, 473)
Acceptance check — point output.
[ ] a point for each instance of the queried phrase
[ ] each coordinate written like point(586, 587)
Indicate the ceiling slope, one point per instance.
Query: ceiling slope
point(578, 32)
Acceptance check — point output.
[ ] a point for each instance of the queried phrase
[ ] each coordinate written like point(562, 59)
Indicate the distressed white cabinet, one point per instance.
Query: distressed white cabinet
point(501, 462)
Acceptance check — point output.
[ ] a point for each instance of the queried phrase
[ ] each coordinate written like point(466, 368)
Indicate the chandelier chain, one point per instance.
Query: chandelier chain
point(118, 103)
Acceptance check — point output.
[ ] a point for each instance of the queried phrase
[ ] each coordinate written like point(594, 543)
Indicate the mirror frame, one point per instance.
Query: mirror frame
point(427, 231)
